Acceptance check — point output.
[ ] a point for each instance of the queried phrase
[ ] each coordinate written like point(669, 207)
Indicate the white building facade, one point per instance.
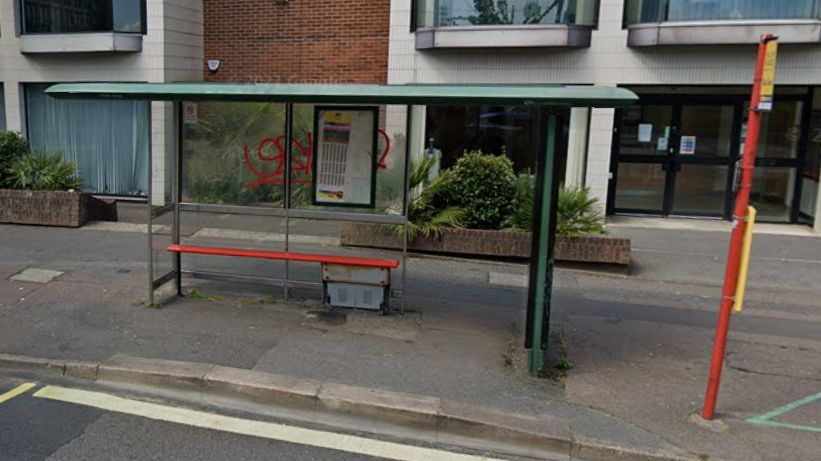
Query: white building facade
point(690, 61)
point(43, 42)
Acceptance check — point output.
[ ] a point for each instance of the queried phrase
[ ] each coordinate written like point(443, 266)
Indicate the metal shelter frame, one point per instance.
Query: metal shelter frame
point(541, 267)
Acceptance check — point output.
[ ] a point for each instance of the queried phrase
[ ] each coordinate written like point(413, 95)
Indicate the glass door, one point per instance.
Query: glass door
point(701, 159)
point(642, 143)
point(675, 158)
point(777, 176)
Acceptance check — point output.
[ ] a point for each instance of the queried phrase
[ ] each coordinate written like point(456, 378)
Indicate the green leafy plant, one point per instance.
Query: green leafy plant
point(43, 171)
point(578, 213)
point(522, 218)
point(425, 214)
point(484, 186)
point(12, 146)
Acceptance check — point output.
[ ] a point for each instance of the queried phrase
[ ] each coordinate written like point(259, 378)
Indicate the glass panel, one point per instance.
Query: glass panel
point(706, 131)
point(640, 186)
point(512, 12)
point(700, 189)
point(107, 139)
point(161, 237)
point(645, 130)
point(513, 131)
point(812, 165)
point(2, 108)
point(772, 192)
point(780, 131)
point(638, 11)
point(390, 159)
point(128, 15)
point(66, 16)
point(425, 13)
point(233, 154)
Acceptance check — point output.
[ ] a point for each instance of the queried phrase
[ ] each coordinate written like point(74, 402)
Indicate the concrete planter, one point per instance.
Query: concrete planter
point(46, 208)
point(498, 244)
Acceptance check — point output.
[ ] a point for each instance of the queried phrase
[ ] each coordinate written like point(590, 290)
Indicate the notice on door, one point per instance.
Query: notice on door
point(662, 144)
point(688, 145)
point(645, 132)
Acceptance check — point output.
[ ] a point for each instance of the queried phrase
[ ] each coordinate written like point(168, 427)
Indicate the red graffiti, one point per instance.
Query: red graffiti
point(277, 176)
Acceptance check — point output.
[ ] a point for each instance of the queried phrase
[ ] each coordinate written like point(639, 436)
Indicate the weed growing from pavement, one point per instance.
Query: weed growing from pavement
point(250, 302)
point(562, 364)
point(196, 294)
point(141, 303)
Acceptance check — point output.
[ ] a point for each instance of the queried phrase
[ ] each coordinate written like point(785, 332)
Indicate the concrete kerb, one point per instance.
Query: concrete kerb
point(375, 411)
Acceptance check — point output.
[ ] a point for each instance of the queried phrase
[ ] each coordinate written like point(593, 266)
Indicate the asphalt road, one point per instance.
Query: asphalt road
point(38, 429)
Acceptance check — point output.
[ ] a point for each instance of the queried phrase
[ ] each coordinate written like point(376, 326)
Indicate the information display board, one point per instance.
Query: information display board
point(345, 156)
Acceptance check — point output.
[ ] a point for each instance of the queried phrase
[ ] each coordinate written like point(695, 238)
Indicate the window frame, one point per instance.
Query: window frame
point(143, 20)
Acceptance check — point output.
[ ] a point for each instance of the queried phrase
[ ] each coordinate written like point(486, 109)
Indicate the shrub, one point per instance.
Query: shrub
point(425, 214)
point(43, 171)
point(522, 218)
point(484, 186)
point(577, 213)
point(12, 146)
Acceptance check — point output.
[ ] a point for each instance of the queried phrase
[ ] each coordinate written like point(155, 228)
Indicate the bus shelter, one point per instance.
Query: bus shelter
point(337, 172)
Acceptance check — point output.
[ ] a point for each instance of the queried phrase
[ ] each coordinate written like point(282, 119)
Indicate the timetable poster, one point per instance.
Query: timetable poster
point(344, 156)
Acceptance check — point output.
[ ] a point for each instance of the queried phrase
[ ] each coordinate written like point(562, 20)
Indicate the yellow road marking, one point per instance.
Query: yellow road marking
point(21, 389)
point(290, 434)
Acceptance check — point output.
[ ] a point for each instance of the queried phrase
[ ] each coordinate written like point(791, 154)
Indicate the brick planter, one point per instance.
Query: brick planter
point(46, 208)
point(498, 244)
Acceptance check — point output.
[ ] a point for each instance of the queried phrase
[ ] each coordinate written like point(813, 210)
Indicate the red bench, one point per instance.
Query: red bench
point(286, 256)
point(362, 288)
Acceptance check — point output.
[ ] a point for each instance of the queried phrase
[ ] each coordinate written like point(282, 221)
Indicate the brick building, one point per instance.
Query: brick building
point(297, 41)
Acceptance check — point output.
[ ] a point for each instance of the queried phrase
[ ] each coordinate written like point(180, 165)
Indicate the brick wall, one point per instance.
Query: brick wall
point(499, 244)
point(297, 41)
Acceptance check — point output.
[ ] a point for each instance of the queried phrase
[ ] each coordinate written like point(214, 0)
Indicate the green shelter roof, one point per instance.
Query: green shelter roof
point(513, 95)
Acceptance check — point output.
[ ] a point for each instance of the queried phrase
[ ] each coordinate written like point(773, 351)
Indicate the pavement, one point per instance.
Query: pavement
point(639, 346)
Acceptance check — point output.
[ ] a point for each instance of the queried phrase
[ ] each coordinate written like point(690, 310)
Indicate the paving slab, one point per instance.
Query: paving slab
point(35, 275)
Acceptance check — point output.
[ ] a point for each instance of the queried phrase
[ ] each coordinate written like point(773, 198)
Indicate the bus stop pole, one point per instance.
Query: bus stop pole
point(739, 224)
point(541, 257)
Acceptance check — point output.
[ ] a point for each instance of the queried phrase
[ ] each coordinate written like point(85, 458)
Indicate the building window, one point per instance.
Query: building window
point(109, 140)
point(649, 11)
point(2, 108)
point(517, 132)
point(81, 16)
point(444, 13)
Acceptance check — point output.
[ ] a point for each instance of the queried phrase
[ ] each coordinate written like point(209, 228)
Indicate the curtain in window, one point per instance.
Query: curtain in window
point(109, 140)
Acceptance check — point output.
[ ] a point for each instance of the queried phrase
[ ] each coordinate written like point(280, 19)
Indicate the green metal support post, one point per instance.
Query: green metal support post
point(542, 254)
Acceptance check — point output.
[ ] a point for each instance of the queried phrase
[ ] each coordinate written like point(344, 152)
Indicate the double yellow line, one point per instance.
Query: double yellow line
point(21, 389)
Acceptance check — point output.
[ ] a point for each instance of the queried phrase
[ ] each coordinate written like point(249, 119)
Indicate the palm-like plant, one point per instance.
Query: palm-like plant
point(43, 171)
point(578, 213)
point(426, 214)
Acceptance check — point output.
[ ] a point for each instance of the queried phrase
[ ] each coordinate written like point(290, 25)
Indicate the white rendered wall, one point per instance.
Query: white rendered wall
point(607, 62)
